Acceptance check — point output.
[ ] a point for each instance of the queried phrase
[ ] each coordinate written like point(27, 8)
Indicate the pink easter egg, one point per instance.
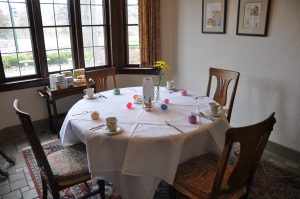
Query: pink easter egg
point(166, 101)
point(129, 105)
point(183, 92)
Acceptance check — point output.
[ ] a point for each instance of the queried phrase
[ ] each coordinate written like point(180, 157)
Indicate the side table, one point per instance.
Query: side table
point(50, 95)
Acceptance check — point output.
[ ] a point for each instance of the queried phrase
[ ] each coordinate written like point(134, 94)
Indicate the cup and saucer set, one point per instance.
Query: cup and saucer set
point(137, 99)
point(112, 127)
point(89, 93)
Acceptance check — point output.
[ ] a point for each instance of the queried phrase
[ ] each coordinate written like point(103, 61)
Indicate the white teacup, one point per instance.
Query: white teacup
point(89, 92)
point(170, 84)
point(214, 107)
point(112, 124)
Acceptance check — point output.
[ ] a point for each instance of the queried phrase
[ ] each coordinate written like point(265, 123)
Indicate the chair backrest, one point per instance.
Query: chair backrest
point(252, 140)
point(99, 77)
point(34, 141)
point(224, 78)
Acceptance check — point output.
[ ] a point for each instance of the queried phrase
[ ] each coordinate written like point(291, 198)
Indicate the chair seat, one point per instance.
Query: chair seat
point(195, 177)
point(69, 164)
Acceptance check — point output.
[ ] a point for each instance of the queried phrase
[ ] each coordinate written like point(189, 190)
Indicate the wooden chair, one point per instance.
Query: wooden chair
point(99, 78)
point(224, 78)
point(209, 176)
point(61, 169)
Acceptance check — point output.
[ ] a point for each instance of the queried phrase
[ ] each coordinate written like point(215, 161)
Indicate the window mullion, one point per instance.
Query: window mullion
point(78, 30)
point(117, 33)
point(74, 38)
point(2, 76)
point(38, 37)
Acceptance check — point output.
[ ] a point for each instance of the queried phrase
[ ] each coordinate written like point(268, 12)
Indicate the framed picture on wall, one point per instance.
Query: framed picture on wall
point(213, 16)
point(253, 17)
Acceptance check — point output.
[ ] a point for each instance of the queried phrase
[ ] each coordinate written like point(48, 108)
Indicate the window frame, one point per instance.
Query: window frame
point(77, 17)
point(4, 79)
point(116, 40)
point(126, 25)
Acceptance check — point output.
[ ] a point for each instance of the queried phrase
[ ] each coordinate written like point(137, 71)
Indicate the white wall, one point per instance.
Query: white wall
point(269, 66)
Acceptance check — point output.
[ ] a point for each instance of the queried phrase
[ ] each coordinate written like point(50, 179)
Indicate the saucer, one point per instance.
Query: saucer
point(137, 102)
point(171, 89)
point(87, 97)
point(108, 132)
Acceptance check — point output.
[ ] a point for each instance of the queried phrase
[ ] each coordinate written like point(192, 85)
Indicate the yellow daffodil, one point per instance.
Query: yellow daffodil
point(161, 67)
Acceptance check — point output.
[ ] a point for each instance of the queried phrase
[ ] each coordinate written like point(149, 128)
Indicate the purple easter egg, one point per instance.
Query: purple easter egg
point(192, 119)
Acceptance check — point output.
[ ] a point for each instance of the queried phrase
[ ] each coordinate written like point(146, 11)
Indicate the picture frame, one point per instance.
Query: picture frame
point(253, 17)
point(214, 16)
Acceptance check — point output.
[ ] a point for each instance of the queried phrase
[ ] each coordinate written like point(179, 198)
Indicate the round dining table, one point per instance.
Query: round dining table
point(149, 144)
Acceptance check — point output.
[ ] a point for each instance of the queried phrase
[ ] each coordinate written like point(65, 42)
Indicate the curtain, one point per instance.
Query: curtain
point(149, 27)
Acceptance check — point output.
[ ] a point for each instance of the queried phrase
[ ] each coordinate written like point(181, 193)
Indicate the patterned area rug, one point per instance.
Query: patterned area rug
point(270, 182)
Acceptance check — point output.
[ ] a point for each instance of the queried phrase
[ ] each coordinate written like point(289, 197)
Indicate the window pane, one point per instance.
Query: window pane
point(50, 38)
point(10, 63)
point(133, 42)
point(97, 16)
point(61, 1)
point(87, 36)
point(19, 14)
point(132, 2)
point(85, 1)
point(98, 36)
point(17, 0)
point(47, 14)
point(133, 15)
point(53, 61)
point(5, 20)
point(26, 63)
point(134, 54)
point(61, 14)
point(85, 15)
point(63, 35)
point(15, 42)
point(93, 32)
point(133, 35)
point(99, 56)
point(7, 41)
point(66, 59)
point(88, 57)
point(23, 40)
point(98, 2)
point(46, 1)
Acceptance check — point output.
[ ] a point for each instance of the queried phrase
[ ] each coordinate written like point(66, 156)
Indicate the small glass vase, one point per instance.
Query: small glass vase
point(157, 93)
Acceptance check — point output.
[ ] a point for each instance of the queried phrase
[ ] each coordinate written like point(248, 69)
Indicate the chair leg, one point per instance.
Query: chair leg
point(8, 159)
point(172, 192)
point(3, 175)
point(45, 191)
point(101, 185)
point(55, 194)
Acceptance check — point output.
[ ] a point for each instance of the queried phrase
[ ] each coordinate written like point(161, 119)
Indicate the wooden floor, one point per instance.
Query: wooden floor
point(20, 185)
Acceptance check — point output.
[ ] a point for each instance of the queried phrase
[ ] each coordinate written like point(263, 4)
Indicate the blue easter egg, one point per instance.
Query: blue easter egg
point(164, 107)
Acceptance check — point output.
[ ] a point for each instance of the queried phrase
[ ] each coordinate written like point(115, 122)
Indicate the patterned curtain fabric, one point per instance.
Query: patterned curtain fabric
point(149, 20)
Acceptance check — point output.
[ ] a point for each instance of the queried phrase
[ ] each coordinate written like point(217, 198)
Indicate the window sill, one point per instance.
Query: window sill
point(23, 84)
point(36, 82)
point(135, 70)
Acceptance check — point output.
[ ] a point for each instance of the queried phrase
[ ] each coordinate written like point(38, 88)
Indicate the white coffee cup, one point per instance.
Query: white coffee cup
point(89, 92)
point(112, 124)
point(214, 107)
point(170, 84)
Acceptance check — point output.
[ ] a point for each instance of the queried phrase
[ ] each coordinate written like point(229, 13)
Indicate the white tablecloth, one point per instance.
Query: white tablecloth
point(146, 151)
